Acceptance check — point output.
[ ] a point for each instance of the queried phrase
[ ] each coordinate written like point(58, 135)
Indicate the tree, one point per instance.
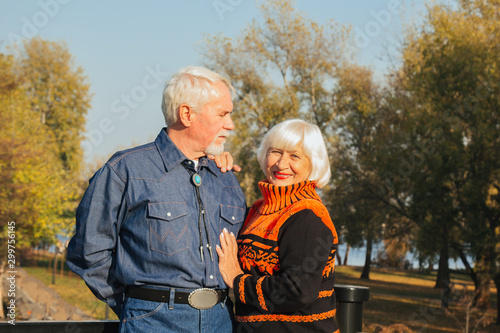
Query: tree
point(58, 94)
point(29, 174)
point(357, 212)
point(289, 66)
point(450, 70)
point(39, 156)
point(282, 67)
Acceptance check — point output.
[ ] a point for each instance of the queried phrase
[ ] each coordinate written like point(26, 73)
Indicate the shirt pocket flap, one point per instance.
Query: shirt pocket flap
point(232, 214)
point(167, 211)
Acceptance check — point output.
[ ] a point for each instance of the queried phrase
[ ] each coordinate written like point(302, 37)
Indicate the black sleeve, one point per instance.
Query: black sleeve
point(305, 244)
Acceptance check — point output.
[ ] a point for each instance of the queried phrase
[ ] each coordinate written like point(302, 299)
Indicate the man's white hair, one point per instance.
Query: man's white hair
point(192, 86)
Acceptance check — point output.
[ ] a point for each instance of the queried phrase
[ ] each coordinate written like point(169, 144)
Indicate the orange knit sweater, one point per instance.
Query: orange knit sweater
point(287, 251)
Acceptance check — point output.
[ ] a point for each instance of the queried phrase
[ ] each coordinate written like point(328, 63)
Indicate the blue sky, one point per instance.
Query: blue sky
point(128, 49)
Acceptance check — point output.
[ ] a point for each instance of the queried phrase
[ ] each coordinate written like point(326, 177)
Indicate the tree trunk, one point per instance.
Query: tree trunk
point(2, 270)
point(339, 258)
point(468, 268)
point(443, 274)
point(365, 274)
point(43, 117)
point(482, 299)
point(62, 263)
point(346, 254)
point(54, 267)
point(496, 280)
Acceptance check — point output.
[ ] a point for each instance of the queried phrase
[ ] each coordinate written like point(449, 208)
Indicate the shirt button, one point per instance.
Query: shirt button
point(232, 218)
point(169, 214)
point(211, 276)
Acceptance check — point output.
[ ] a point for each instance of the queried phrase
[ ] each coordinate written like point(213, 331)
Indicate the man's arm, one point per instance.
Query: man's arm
point(91, 250)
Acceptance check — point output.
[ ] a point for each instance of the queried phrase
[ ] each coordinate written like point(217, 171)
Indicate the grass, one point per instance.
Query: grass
point(396, 297)
point(73, 290)
point(409, 298)
point(68, 285)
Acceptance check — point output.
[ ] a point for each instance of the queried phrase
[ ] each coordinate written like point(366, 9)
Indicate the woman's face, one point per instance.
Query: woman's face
point(284, 167)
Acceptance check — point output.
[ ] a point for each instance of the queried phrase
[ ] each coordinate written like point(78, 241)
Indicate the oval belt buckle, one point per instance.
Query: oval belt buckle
point(203, 298)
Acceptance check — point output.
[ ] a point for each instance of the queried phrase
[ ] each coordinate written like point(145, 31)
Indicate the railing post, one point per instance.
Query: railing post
point(350, 300)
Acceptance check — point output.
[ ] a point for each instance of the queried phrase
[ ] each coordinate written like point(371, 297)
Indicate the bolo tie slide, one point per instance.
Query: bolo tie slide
point(196, 179)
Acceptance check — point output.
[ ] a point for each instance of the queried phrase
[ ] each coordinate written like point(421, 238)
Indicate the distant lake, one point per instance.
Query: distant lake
point(357, 257)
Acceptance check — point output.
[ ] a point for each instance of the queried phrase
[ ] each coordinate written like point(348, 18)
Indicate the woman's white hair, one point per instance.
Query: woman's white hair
point(192, 86)
point(292, 134)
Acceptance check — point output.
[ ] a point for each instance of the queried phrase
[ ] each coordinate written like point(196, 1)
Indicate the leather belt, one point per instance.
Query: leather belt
point(202, 298)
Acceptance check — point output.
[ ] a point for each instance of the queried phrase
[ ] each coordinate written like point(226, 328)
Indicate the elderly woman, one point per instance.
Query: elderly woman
point(281, 268)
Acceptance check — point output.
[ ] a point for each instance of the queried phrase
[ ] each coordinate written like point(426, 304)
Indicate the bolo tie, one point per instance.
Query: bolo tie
point(196, 181)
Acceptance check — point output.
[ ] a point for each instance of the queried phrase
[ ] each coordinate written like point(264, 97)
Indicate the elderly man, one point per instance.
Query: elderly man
point(148, 224)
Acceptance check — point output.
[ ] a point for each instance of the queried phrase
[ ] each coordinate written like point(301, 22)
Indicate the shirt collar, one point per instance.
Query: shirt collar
point(172, 156)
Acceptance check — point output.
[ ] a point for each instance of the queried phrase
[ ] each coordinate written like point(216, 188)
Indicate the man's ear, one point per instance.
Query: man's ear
point(186, 115)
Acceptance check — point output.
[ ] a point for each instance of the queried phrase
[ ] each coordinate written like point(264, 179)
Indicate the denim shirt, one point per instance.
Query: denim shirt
point(137, 223)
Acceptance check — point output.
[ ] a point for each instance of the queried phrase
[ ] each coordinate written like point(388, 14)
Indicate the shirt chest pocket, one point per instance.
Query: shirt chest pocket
point(168, 228)
point(231, 218)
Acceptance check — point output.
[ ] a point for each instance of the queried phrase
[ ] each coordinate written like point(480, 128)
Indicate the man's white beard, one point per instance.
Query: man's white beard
point(214, 149)
point(217, 149)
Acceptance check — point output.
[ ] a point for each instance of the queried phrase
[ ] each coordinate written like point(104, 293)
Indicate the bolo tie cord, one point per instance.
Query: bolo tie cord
point(196, 179)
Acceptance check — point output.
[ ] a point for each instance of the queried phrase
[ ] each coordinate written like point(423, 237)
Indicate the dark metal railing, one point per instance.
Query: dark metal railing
point(49, 326)
point(349, 317)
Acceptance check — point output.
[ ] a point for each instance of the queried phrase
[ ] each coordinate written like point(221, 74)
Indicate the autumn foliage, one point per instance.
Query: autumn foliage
point(414, 154)
point(43, 101)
